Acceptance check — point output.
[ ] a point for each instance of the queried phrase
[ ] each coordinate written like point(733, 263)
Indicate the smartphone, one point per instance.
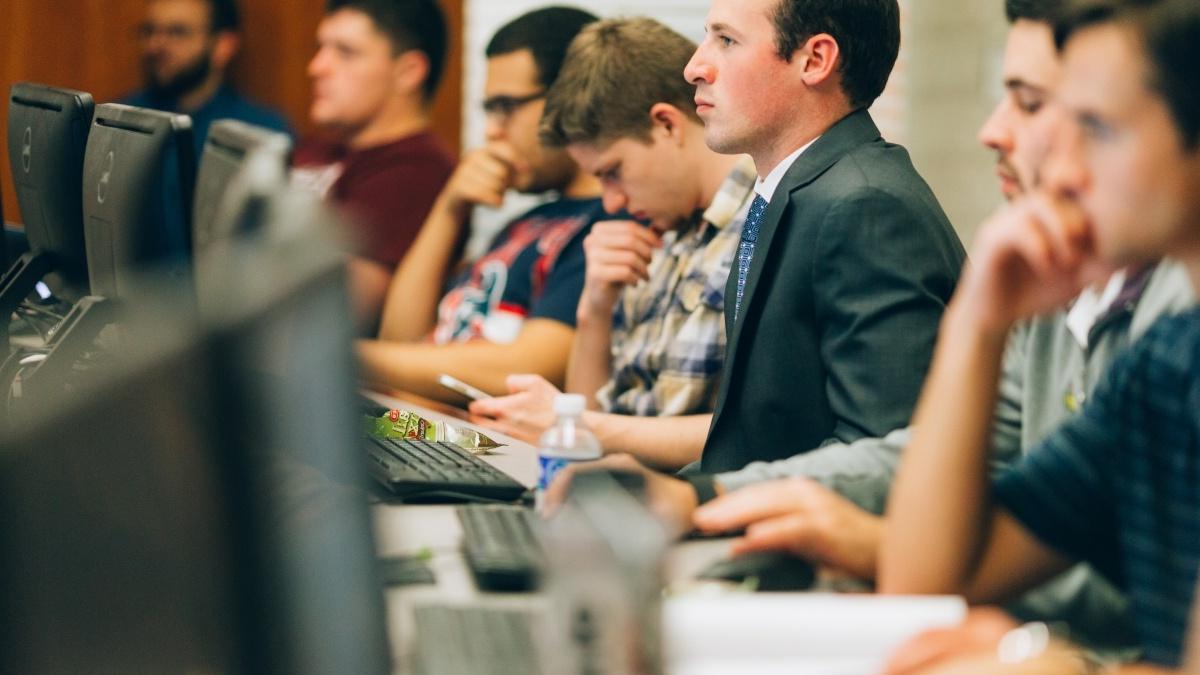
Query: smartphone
point(454, 384)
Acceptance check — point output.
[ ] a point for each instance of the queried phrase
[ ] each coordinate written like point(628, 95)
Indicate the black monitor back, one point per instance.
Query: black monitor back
point(296, 400)
point(229, 147)
point(4, 261)
point(114, 556)
point(47, 135)
point(186, 515)
point(139, 173)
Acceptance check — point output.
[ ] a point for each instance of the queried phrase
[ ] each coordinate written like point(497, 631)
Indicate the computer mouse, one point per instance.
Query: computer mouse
point(769, 571)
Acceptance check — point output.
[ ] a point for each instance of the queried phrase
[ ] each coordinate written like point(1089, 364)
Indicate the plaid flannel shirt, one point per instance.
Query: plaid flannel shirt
point(668, 335)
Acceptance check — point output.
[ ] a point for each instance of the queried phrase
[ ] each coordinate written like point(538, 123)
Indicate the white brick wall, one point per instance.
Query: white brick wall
point(954, 51)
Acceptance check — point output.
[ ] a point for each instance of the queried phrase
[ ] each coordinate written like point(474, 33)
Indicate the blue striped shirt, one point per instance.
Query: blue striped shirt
point(1118, 486)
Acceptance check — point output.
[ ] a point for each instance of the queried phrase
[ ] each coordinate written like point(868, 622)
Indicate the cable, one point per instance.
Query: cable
point(41, 319)
point(10, 370)
point(37, 309)
point(43, 328)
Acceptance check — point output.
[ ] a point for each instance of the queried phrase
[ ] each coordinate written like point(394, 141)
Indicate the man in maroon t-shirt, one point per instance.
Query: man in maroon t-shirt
point(377, 66)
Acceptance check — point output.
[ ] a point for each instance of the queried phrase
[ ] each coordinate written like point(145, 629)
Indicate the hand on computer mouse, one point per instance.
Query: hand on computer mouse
point(801, 517)
point(769, 571)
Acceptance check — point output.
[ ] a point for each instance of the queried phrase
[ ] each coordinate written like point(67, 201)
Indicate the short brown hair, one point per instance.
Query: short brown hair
point(615, 72)
point(867, 33)
point(1169, 32)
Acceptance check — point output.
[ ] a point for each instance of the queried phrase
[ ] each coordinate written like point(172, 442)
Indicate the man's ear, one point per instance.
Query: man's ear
point(225, 46)
point(669, 121)
point(819, 59)
point(411, 70)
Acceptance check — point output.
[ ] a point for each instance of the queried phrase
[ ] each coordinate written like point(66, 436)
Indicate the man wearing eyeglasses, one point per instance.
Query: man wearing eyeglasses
point(513, 310)
point(187, 46)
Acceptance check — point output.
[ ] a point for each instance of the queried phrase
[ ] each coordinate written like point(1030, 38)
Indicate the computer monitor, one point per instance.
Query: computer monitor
point(4, 233)
point(114, 556)
point(228, 148)
point(139, 173)
point(278, 285)
point(47, 134)
point(3, 228)
point(179, 515)
point(288, 314)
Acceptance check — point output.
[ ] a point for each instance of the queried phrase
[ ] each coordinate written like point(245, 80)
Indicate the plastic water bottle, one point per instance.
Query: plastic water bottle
point(566, 442)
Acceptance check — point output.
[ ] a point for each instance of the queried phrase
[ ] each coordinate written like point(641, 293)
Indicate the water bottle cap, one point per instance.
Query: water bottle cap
point(569, 405)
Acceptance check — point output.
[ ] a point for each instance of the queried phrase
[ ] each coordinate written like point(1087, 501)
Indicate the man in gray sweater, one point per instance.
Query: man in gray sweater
point(822, 504)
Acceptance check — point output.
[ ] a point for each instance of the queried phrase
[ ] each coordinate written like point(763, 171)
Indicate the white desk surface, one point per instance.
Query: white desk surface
point(401, 529)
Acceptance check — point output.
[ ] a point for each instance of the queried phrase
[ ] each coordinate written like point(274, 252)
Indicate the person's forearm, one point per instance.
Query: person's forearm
point(665, 443)
point(414, 367)
point(860, 471)
point(590, 366)
point(941, 484)
point(368, 283)
point(410, 310)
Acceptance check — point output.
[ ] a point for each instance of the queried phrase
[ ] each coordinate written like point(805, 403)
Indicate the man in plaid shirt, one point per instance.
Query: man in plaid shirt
point(650, 338)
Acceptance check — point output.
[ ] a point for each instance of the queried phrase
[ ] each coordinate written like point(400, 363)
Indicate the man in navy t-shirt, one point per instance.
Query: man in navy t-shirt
point(187, 46)
point(513, 310)
point(534, 270)
point(1118, 486)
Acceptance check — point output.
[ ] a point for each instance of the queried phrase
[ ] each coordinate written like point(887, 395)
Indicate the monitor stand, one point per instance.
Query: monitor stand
point(68, 343)
point(16, 285)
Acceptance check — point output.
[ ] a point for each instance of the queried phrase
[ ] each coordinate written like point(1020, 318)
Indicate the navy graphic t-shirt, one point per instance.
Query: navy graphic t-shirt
point(534, 269)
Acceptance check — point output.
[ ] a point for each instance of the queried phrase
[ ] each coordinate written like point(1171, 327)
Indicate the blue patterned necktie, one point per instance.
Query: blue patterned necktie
point(746, 248)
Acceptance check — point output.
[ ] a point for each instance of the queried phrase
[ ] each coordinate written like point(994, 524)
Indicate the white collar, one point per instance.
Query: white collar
point(1091, 304)
point(766, 187)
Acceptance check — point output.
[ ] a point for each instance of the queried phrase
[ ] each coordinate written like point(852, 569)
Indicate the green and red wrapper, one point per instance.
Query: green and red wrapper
point(407, 424)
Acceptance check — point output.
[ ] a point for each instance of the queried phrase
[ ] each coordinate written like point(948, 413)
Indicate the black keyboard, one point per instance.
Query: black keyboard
point(370, 407)
point(475, 640)
point(500, 546)
point(437, 472)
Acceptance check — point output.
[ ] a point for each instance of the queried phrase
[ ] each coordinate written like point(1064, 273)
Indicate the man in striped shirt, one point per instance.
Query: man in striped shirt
point(1116, 486)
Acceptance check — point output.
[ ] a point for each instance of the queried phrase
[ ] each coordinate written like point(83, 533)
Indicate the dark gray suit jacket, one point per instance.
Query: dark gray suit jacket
point(854, 265)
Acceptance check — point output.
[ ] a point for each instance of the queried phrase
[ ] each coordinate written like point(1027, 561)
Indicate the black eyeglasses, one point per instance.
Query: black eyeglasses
point(173, 32)
point(503, 107)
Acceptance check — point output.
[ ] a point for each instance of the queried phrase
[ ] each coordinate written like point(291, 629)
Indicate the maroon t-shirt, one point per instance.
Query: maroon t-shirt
point(386, 191)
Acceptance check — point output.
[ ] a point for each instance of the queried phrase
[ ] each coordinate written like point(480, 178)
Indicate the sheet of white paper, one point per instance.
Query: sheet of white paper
point(765, 633)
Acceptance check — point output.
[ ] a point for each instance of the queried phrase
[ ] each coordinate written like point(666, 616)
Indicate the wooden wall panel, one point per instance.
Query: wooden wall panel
point(90, 45)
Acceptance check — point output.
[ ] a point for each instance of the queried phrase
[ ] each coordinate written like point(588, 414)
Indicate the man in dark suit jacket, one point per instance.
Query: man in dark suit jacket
point(846, 260)
point(843, 278)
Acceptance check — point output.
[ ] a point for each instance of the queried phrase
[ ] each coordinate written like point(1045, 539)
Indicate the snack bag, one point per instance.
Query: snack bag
point(407, 424)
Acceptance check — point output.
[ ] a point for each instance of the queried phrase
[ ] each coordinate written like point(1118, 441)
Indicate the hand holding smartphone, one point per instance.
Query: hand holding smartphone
point(457, 385)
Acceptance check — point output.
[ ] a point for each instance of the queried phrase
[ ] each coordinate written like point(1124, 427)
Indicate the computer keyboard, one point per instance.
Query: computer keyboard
point(437, 472)
point(476, 640)
point(500, 546)
point(370, 407)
